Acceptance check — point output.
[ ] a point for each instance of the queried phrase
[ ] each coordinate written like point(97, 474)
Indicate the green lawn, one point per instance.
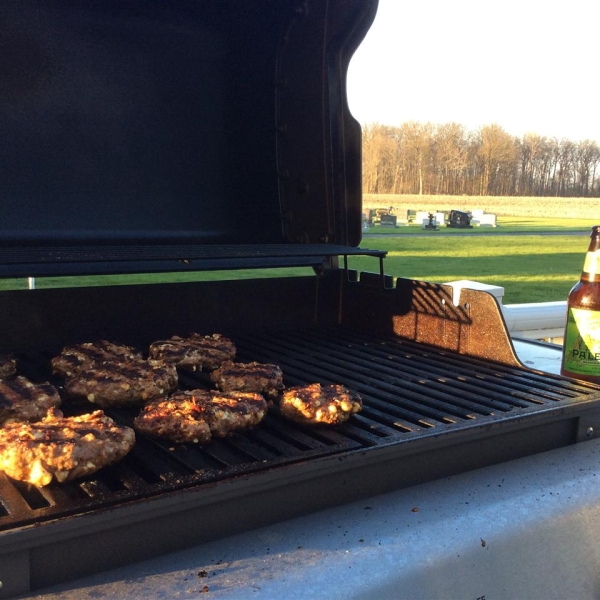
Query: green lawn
point(531, 267)
point(95, 280)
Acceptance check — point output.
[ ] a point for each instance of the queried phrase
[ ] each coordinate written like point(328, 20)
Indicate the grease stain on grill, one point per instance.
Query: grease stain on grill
point(403, 427)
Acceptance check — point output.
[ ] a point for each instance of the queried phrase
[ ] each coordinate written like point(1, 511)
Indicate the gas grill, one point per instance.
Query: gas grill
point(214, 135)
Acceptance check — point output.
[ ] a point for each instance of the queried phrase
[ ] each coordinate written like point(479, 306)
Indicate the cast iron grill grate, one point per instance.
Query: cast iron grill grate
point(408, 389)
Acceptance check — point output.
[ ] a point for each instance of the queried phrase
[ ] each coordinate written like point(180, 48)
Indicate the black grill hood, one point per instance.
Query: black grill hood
point(137, 134)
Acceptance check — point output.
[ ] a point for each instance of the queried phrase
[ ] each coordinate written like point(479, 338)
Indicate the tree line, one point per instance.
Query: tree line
point(425, 158)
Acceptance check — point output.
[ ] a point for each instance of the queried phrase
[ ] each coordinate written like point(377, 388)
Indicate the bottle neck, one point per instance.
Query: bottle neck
point(591, 265)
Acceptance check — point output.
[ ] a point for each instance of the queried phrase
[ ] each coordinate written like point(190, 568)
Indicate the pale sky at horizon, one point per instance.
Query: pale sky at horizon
point(527, 65)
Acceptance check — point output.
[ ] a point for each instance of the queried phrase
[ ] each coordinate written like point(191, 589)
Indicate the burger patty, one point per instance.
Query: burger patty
point(89, 354)
point(196, 352)
point(122, 383)
point(22, 400)
point(248, 377)
point(62, 448)
point(198, 415)
point(8, 367)
point(319, 404)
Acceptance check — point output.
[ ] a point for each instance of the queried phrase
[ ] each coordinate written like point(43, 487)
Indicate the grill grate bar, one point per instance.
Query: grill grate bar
point(191, 457)
point(129, 478)
point(252, 449)
point(11, 500)
point(296, 374)
point(275, 444)
point(500, 377)
point(294, 435)
point(430, 402)
point(437, 387)
point(370, 420)
point(386, 421)
point(413, 410)
point(58, 496)
point(94, 489)
point(544, 384)
point(460, 372)
point(482, 392)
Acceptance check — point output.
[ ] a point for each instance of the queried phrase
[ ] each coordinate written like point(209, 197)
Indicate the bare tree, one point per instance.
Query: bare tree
point(378, 158)
point(417, 142)
point(566, 162)
point(586, 155)
point(495, 152)
point(451, 155)
point(530, 150)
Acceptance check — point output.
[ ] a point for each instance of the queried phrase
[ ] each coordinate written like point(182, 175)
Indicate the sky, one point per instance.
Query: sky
point(529, 66)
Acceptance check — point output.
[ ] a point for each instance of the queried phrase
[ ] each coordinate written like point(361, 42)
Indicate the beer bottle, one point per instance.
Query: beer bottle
point(581, 343)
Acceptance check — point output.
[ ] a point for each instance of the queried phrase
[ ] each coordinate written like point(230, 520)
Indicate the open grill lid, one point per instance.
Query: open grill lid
point(142, 136)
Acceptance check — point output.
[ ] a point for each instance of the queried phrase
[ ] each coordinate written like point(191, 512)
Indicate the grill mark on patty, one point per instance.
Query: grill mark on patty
point(264, 378)
point(194, 352)
point(120, 383)
point(118, 371)
point(320, 404)
point(198, 415)
point(242, 369)
point(22, 400)
point(79, 357)
point(12, 391)
point(62, 448)
point(55, 434)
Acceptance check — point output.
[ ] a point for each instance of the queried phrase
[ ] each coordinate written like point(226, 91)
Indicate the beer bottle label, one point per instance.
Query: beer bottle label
point(592, 260)
point(581, 352)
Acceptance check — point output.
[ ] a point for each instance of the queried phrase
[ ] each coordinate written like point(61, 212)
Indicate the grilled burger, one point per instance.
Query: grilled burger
point(196, 352)
point(319, 404)
point(8, 367)
point(22, 400)
point(89, 354)
point(265, 379)
point(62, 448)
point(198, 415)
point(122, 383)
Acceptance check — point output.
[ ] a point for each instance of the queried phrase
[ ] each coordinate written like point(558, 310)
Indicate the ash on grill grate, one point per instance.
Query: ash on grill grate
point(408, 389)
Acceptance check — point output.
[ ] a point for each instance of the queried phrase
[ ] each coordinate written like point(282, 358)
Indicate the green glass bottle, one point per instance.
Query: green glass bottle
point(581, 343)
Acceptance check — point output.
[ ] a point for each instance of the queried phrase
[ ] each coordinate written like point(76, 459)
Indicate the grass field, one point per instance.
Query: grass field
point(505, 206)
point(530, 268)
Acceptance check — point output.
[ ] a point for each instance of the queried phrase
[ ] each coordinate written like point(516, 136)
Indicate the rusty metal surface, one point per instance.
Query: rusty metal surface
point(425, 312)
point(474, 326)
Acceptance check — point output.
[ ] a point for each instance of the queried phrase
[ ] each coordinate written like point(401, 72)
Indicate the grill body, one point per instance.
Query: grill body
point(434, 404)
